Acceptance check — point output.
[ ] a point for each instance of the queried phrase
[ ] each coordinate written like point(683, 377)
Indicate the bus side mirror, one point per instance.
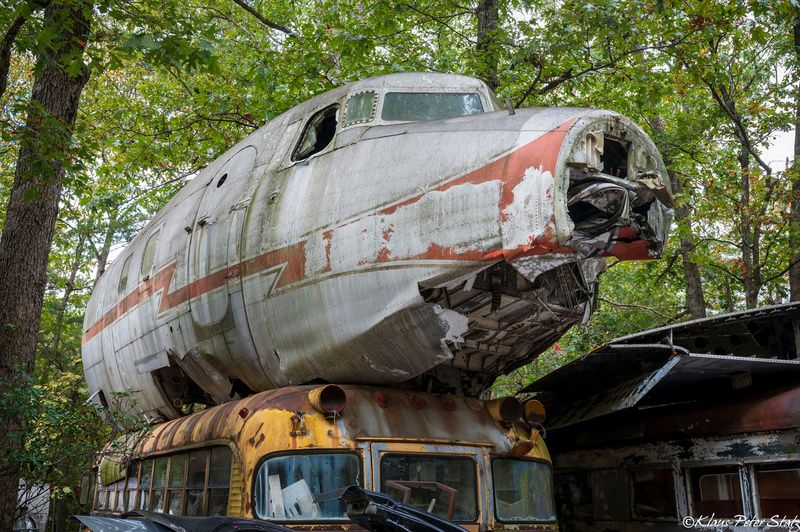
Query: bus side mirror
point(86, 488)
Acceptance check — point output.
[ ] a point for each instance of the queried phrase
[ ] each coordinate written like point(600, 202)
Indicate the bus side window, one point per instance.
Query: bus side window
point(144, 484)
point(177, 478)
point(194, 483)
point(779, 489)
point(219, 479)
point(159, 481)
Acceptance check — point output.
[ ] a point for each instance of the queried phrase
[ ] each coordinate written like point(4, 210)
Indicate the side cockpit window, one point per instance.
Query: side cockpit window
point(318, 133)
point(360, 108)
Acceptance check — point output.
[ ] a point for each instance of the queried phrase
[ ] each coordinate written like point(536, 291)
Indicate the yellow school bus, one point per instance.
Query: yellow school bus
point(279, 455)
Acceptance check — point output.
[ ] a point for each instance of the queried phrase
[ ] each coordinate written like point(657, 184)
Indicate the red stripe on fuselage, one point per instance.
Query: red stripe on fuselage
point(292, 258)
point(541, 153)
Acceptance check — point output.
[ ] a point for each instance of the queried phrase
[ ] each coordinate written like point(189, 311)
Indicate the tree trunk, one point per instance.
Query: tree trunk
point(488, 18)
point(693, 282)
point(794, 226)
point(695, 301)
point(31, 216)
point(749, 260)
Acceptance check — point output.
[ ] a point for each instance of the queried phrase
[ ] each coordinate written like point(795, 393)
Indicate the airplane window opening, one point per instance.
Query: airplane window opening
point(318, 133)
point(222, 180)
point(615, 158)
point(421, 106)
point(149, 255)
point(123, 278)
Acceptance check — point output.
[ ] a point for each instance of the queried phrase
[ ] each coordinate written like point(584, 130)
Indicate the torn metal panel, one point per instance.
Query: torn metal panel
point(628, 372)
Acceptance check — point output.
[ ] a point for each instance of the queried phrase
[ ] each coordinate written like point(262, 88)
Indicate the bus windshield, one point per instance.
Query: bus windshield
point(419, 106)
point(443, 485)
point(302, 487)
point(523, 490)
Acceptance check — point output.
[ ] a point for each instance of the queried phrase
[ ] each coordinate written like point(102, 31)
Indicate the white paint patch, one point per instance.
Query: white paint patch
point(316, 255)
point(462, 218)
point(530, 211)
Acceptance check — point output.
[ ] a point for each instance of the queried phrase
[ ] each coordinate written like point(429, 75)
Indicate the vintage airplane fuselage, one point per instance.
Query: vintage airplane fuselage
point(350, 240)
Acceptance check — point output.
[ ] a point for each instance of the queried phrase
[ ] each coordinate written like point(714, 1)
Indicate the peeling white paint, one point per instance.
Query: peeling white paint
point(531, 209)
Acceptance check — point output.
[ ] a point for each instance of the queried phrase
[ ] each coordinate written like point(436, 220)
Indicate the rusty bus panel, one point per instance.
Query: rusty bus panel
point(376, 425)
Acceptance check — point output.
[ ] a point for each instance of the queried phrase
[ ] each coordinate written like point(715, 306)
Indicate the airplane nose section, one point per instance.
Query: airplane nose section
point(588, 183)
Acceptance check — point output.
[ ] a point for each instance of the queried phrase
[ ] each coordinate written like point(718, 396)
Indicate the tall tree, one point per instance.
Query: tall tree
point(794, 270)
point(32, 210)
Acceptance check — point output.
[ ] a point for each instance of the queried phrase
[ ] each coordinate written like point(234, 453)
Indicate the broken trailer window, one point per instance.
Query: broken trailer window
point(305, 487)
point(443, 485)
point(653, 493)
point(716, 490)
point(779, 489)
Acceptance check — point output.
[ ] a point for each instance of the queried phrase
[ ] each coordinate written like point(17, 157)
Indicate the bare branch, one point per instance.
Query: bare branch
point(264, 20)
point(634, 305)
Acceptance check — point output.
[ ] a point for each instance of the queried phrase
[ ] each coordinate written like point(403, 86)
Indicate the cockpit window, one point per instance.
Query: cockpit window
point(418, 106)
point(360, 108)
point(318, 133)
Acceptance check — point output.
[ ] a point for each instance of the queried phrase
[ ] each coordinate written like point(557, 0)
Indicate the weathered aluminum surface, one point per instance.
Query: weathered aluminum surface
point(433, 253)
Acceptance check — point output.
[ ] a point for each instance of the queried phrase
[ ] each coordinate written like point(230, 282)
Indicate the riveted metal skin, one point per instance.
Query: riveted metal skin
point(416, 254)
point(464, 428)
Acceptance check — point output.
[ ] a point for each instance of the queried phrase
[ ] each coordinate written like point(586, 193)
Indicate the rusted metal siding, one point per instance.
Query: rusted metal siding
point(288, 272)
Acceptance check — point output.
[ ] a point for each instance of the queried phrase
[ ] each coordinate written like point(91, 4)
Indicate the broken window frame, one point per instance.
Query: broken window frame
point(299, 153)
